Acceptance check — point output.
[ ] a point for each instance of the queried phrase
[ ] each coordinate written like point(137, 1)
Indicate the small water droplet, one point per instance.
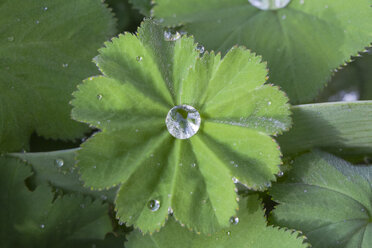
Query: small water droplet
point(281, 173)
point(269, 4)
point(228, 233)
point(170, 211)
point(193, 165)
point(11, 38)
point(45, 8)
point(326, 6)
point(99, 96)
point(152, 155)
point(169, 36)
point(236, 165)
point(82, 205)
point(305, 191)
point(234, 220)
point(37, 21)
point(42, 226)
point(362, 210)
point(137, 130)
point(235, 180)
point(94, 167)
point(269, 103)
point(154, 205)
point(183, 121)
point(59, 162)
point(232, 162)
point(64, 65)
point(191, 192)
point(180, 164)
point(200, 48)
point(284, 17)
point(139, 58)
point(104, 197)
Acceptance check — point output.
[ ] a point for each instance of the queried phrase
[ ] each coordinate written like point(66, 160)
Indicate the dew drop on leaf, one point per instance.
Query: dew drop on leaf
point(269, 4)
point(45, 8)
point(200, 48)
point(11, 38)
point(64, 65)
point(37, 21)
point(235, 180)
point(170, 211)
point(42, 226)
point(59, 162)
point(169, 36)
point(228, 233)
point(281, 173)
point(99, 96)
point(193, 165)
point(139, 58)
point(234, 220)
point(183, 121)
point(154, 205)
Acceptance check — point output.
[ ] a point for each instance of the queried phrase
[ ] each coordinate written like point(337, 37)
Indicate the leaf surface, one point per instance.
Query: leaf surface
point(302, 43)
point(250, 231)
point(45, 52)
point(146, 75)
point(328, 199)
point(34, 219)
point(342, 127)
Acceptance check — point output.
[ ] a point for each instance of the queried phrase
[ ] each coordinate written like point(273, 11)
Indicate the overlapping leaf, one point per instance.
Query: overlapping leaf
point(46, 48)
point(58, 170)
point(303, 43)
point(328, 199)
point(248, 229)
point(33, 219)
point(144, 76)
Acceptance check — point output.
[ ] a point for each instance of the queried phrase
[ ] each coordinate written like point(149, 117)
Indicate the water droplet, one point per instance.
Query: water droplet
point(64, 65)
point(281, 173)
point(200, 48)
point(234, 220)
point(59, 162)
point(183, 121)
point(42, 226)
point(139, 58)
point(104, 197)
point(326, 6)
point(302, 1)
point(99, 96)
point(362, 210)
point(284, 17)
point(193, 165)
point(151, 155)
point(180, 164)
point(269, 103)
point(269, 4)
point(45, 8)
point(10, 38)
point(305, 191)
point(228, 233)
point(137, 130)
point(236, 165)
point(170, 211)
point(235, 180)
point(154, 205)
point(82, 205)
point(37, 21)
point(169, 36)
point(232, 162)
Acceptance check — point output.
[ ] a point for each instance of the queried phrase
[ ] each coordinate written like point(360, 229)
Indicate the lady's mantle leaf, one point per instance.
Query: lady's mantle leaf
point(328, 199)
point(248, 229)
point(33, 219)
point(303, 43)
point(46, 48)
point(145, 76)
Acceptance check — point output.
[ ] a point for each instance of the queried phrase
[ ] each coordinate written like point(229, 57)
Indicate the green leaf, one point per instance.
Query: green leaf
point(328, 199)
point(303, 43)
point(146, 75)
point(45, 52)
point(342, 128)
point(127, 18)
point(144, 6)
point(250, 231)
point(33, 219)
point(58, 170)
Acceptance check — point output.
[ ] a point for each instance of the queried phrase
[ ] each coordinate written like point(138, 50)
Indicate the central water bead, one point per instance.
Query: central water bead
point(269, 4)
point(183, 121)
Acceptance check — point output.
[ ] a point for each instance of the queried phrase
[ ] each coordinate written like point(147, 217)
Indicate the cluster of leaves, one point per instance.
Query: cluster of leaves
point(131, 183)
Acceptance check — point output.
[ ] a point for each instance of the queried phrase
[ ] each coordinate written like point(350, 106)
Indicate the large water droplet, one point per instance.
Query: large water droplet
point(59, 162)
point(183, 121)
point(169, 36)
point(234, 220)
point(269, 4)
point(154, 205)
